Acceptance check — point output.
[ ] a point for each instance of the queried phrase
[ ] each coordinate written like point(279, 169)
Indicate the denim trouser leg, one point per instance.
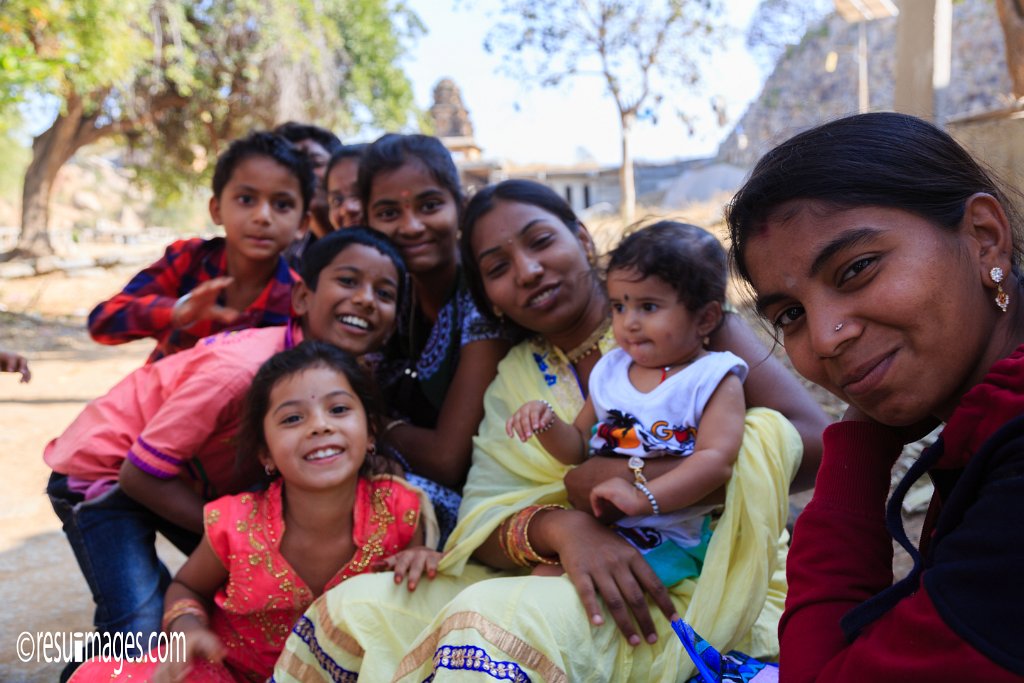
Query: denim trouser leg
point(114, 541)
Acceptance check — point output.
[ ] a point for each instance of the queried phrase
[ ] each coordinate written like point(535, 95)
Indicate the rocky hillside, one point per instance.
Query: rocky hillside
point(801, 93)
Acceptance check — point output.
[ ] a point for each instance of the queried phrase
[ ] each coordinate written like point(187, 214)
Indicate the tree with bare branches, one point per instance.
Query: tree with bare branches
point(641, 49)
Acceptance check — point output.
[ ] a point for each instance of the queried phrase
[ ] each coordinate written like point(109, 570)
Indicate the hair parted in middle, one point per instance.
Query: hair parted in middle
point(394, 150)
point(883, 159)
point(517, 191)
point(252, 440)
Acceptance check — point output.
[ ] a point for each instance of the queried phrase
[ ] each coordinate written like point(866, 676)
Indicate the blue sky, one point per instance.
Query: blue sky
point(525, 125)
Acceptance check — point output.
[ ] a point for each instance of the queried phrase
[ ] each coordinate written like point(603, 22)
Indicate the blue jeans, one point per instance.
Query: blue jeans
point(114, 541)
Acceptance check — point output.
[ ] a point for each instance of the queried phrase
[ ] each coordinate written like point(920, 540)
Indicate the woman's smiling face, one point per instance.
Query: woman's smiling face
point(534, 270)
point(411, 207)
point(877, 305)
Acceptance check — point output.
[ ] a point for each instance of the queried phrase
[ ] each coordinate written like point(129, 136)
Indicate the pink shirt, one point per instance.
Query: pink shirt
point(175, 417)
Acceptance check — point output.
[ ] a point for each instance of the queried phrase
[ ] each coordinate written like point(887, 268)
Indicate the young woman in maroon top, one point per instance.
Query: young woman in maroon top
point(884, 257)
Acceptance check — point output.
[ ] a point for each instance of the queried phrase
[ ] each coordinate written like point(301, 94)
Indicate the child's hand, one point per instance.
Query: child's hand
point(12, 362)
point(201, 304)
point(532, 417)
point(621, 495)
point(200, 643)
point(412, 563)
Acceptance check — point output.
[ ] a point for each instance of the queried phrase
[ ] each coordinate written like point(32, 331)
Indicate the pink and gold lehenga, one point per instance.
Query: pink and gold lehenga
point(254, 611)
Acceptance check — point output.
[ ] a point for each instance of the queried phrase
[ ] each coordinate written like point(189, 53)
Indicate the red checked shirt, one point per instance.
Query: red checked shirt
point(143, 308)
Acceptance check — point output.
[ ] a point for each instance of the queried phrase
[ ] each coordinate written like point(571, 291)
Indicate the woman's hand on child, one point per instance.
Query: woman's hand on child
point(13, 362)
point(599, 562)
point(201, 304)
point(411, 564)
point(200, 643)
point(532, 417)
point(613, 498)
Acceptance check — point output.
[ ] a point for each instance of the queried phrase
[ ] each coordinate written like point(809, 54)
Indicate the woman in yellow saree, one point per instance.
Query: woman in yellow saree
point(483, 617)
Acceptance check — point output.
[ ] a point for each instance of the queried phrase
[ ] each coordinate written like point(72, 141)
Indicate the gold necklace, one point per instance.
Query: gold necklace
point(590, 344)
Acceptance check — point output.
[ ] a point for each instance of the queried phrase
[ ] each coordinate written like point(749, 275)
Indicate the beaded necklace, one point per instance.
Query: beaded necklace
point(589, 345)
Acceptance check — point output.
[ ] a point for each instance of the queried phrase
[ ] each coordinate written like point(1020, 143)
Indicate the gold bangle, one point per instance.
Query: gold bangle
point(532, 554)
point(514, 537)
point(182, 607)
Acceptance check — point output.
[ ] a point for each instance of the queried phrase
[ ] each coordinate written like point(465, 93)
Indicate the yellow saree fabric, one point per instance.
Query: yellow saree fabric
point(523, 628)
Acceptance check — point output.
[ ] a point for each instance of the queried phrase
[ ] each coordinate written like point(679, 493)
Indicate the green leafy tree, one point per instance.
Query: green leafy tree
point(642, 49)
point(176, 79)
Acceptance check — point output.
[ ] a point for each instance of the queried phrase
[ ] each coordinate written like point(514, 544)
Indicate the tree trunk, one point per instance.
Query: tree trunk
point(627, 187)
point(34, 239)
point(50, 151)
point(1011, 16)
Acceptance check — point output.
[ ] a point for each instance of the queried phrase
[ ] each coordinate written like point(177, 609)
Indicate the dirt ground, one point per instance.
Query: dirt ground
point(41, 587)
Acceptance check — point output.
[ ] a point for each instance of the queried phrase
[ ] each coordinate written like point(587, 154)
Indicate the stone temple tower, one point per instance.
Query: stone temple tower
point(451, 121)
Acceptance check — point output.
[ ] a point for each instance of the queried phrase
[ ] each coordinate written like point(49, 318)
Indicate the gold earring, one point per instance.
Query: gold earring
point(1002, 298)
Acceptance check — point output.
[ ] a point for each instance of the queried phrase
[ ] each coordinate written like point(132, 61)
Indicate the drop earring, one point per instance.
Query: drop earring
point(1002, 298)
point(269, 469)
point(497, 313)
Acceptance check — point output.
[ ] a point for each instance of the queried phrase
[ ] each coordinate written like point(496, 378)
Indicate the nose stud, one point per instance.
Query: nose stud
point(839, 327)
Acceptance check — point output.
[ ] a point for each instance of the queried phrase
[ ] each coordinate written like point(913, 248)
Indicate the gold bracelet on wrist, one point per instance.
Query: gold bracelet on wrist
point(514, 537)
point(182, 607)
point(636, 463)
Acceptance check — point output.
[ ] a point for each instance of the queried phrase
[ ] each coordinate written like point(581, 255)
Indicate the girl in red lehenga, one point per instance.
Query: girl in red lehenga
point(311, 420)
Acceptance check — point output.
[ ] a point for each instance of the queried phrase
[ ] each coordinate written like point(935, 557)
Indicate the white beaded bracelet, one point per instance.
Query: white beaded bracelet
point(650, 496)
point(551, 422)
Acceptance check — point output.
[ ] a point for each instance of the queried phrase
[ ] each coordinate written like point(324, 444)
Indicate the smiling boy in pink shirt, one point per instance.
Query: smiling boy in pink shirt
point(146, 456)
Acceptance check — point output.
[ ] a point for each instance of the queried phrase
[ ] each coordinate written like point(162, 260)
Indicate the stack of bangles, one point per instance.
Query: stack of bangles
point(514, 537)
point(182, 607)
